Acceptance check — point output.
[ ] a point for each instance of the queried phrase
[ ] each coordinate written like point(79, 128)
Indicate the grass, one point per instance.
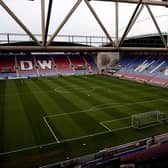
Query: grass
point(48, 119)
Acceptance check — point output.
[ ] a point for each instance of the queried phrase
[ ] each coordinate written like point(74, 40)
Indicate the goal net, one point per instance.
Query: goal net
point(147, 119)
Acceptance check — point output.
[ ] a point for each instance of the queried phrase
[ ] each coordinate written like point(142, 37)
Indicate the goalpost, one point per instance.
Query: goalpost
point(143, 120)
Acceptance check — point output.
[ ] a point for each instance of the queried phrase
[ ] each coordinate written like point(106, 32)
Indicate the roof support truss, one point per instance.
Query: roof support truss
point(64, 21)
point(116, 45)
point(130, 23)
point(99, 21)
point(157, 26)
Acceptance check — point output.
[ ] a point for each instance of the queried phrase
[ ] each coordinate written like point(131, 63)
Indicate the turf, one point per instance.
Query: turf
point(48, 119)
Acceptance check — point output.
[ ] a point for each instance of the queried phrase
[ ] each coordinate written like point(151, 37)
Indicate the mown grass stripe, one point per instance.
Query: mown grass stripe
point(86, 84)
point(34, 113)
point(117, 88)
point(82, 97)
point(60, 100)
point(50, 106)
point(106, 89)
point(81, 120)
point(100, 97)
point(16, 133)
point(107, 93)
point(2, 119)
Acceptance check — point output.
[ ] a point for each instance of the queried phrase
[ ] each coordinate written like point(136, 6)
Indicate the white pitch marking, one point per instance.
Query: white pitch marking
point(109, 121)
point(53, 143)
point(122, 128)
point(51, 130)
point(102, 108)
point(105, 127)
point(85, 136)
point(66, 140)
point(28, 148)
point(91, 89)
point(62, 141)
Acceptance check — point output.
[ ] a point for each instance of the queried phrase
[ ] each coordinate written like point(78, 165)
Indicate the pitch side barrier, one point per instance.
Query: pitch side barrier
point(139, 81)
point(112, 154)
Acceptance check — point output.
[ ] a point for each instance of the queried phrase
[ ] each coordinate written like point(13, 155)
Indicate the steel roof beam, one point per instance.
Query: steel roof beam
point(75, 49)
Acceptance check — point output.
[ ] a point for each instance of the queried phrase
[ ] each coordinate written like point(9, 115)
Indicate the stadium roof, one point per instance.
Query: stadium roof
point(116, 27)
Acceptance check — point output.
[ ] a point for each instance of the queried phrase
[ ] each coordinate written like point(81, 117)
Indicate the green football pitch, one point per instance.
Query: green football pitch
point(46, 120)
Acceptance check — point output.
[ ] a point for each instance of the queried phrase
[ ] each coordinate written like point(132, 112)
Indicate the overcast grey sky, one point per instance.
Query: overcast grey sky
point(81, 22)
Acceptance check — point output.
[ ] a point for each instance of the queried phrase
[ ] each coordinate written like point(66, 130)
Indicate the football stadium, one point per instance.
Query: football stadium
point(82, 96)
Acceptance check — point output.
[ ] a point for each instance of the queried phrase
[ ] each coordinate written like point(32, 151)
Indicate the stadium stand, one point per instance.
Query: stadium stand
point(143, 153)
point(26, 66)
point(35, 65)
point(78, 64)
point(149, 69)
point(45, 65)
point(62, 63)
point(91, 63)
point(7, 67)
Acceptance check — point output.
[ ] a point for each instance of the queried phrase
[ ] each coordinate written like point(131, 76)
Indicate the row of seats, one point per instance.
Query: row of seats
point(45, 65)
point(149, 69)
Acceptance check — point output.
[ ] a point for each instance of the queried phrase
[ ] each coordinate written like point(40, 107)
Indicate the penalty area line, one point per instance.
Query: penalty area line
point(61, 141)
point(85, 136)
point(51, 130)
point(107, 128)
point(78, 138)
point(115, 130)
point(96, 134)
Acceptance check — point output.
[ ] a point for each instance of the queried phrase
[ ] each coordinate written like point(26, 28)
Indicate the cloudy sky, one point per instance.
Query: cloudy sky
point(81, 22)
